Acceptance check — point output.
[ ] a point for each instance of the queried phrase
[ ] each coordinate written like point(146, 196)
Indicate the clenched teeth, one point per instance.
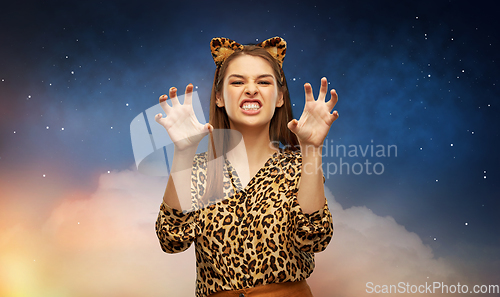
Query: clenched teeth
point(250, 106)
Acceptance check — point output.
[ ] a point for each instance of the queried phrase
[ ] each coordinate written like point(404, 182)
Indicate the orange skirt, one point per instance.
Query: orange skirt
point(288, 289)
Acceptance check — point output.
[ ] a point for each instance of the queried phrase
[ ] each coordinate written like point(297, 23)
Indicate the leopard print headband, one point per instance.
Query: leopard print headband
point(223, 47)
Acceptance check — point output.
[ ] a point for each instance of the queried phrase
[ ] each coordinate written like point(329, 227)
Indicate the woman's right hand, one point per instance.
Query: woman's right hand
point(181, 123)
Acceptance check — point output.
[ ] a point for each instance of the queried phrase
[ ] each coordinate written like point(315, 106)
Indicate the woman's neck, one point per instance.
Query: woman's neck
point(257, 143)
point(257, 149)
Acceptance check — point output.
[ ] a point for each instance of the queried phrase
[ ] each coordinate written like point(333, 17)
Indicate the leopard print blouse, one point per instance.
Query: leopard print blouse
point(258, 235)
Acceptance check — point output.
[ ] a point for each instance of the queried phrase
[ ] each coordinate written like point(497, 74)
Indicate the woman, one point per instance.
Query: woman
point(260, 239)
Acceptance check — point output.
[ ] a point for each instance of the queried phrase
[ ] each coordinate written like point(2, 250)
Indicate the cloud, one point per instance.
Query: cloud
point(119, 214)
point(370, 248)
point(104, 245)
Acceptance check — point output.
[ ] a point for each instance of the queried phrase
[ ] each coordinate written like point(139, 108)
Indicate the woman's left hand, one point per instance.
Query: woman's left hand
point(316, 119)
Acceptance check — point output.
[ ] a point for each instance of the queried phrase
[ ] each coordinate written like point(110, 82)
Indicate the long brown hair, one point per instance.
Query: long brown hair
point(278, 130)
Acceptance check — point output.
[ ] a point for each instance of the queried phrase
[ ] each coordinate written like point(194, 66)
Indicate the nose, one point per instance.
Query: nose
point(251, 89)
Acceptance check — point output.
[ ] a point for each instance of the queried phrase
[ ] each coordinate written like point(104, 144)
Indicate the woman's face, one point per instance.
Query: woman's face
point(250, 92)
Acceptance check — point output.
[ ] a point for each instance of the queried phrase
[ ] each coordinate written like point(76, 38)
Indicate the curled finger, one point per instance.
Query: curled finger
point(189, 94)
point(333, 117)
point(309, 92)
point(163, 103)
point(158, 117)
point(323, 89)
point(163, 98)
point(333, 100)
point(172, 93)
point(209, 127)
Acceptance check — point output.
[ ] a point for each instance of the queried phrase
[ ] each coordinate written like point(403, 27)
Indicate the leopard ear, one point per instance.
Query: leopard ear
point(276, 46)
point(222, 48)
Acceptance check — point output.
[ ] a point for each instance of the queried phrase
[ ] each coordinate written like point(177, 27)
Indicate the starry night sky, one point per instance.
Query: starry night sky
point(420, 75)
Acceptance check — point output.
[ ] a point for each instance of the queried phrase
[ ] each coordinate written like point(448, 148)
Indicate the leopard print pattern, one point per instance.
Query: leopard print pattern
point(276, 46)
point(258, 235)
point(222, 48)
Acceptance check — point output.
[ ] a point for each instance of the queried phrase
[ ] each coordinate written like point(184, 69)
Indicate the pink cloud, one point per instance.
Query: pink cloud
point(104, 244)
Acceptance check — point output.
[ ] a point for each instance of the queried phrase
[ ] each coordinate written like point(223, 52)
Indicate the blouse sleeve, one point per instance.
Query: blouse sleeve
point(312, 232)
point(175, 230)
